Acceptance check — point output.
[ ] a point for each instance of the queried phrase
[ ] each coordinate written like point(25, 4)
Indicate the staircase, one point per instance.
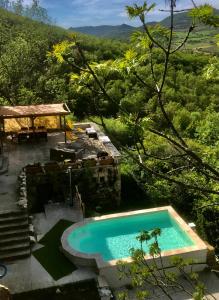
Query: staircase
point(14, 235)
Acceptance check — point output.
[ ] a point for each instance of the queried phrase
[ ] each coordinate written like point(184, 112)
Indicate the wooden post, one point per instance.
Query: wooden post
point(1, 135)
point(3, 125)
point(65, 129)
point(60, 122)
point(32, 123)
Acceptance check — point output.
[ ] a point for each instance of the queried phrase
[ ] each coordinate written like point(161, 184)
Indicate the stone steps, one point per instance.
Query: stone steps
point(20, 224)
point(11, 219)
point(11, 248)
point(13, 240)
point(15, 255)
point(14, 235)
point(15, 213)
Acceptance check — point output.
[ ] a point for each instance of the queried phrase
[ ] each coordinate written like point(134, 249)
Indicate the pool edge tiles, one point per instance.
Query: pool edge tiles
point(95, 259)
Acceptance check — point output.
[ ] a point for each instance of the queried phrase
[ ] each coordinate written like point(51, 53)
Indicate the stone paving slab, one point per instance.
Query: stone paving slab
point(43, 222)
point(27, 274)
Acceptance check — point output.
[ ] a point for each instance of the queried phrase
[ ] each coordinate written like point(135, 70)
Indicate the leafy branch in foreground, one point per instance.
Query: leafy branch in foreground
point(92, 76)
point(149, 275)
point(181, 144)
point(190, 164)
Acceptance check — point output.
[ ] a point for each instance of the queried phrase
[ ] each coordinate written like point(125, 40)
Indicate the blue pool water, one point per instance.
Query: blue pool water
point(113, 238)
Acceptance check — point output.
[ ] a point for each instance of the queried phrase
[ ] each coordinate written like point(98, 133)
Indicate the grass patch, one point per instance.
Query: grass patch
point(50, 257)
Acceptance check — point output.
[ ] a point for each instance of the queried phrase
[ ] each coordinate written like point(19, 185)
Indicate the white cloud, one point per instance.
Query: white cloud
point(122, 14)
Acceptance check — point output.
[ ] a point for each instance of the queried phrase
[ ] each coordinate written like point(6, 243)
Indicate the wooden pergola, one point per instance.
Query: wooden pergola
point(32, 112)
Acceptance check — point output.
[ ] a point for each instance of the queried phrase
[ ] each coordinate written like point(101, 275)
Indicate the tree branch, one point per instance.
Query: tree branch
point(184, 41)
point(172, 180)
point(151, 37)
point(189, 152)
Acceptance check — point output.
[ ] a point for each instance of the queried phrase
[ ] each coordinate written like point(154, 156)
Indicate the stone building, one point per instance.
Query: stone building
point(88, 163)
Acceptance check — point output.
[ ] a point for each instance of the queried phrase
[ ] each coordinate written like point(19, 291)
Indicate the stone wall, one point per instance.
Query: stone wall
point(99, 185)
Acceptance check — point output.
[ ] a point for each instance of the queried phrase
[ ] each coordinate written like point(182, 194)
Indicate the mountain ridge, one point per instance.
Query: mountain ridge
point(182, 22)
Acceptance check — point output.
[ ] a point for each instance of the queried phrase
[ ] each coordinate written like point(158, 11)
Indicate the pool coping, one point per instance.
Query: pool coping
point(96, 259)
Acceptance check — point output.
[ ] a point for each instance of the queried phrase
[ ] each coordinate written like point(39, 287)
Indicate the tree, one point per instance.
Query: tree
point(4, 4)
point(17, 7)
point(13, 74)
point(33, 11)
point(37, 12)
point(146, 276)
point(131, 61)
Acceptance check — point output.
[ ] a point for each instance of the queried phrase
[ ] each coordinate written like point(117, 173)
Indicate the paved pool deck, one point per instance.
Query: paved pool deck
point(27, 274)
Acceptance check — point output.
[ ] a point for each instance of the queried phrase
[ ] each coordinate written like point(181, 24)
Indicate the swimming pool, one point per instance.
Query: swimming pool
point(101, 241)
point(113, 238)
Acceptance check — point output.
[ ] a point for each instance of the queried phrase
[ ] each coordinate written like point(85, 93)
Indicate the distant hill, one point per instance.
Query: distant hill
point(107, 31)
point(13, 25)
point(182, 21)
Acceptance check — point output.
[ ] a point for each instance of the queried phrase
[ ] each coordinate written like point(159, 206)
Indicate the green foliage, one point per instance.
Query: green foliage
point(199, 293)
point(211, 71)
point(33, 10)
point(23, 48)
point(125, 89)
point(139, 11)
point(39, 78)
point(207, 215)
point(52, 70)
point(205, 14)
point(146, 272)
point(208, 128)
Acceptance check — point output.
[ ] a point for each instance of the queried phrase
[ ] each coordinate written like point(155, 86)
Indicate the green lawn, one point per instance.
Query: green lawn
point(50, 256)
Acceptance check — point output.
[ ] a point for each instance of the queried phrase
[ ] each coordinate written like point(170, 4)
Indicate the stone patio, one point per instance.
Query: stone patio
point(20, 155)
point(28, 274)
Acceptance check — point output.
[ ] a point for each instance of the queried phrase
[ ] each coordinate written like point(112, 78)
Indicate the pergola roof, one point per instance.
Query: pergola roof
point(7, 112)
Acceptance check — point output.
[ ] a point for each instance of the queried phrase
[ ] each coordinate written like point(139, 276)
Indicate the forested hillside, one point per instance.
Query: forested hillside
point(27, 74)
point(169, 144)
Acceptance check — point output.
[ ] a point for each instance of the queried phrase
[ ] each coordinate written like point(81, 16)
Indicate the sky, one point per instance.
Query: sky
point(76, 13)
